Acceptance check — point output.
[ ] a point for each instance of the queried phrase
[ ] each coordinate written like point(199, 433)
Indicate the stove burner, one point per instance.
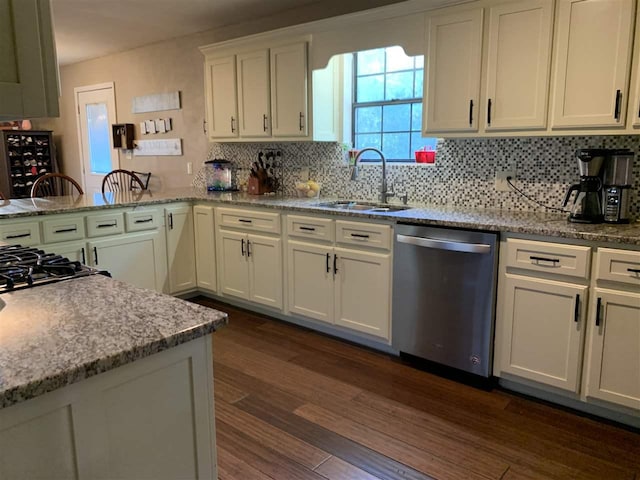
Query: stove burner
point(22, 267)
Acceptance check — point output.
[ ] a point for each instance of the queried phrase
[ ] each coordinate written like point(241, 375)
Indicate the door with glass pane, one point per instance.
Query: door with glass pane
point(96, 113)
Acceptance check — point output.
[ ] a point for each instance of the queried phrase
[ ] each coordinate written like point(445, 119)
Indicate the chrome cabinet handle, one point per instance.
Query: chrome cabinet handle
point(598, 305)
point(470, 112)
point(171, 221)
point(576, 312)
point(335, 264)
point(145, 220)
point(242, 246)
point(84, 258)
point(328, 267)
point(66, 230)
point(107, 225)
point(95, 255)
point(616, 112)
point(18, 235)
point(248, 248)
point(264, 122)
point(301, 121)
point(489, 112)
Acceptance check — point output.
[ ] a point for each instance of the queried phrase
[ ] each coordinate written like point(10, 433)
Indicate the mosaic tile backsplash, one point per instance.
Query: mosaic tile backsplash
point(463, 174)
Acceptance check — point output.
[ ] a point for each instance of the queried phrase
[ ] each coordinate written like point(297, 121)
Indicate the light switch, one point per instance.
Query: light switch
point(160, 126)
point(151, 126)
point(143, 128)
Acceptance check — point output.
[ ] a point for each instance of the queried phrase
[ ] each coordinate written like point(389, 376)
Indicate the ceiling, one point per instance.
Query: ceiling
point(87, 29)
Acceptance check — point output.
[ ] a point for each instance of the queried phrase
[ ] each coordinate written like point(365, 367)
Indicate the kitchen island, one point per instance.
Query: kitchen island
point(99, 379)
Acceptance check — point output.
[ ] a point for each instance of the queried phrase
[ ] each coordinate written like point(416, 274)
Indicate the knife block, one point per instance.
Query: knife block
point(256, 187)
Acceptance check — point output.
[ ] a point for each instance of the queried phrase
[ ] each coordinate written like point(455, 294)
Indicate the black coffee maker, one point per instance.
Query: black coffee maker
point(587, 204)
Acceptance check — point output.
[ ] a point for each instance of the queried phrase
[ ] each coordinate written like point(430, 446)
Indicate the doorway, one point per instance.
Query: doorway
point(96, 112)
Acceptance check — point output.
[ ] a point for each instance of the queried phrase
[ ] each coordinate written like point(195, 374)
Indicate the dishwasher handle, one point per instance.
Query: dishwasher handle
point(444, 244)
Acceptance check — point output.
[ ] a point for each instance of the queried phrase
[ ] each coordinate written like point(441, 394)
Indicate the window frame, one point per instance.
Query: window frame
point(382, 103)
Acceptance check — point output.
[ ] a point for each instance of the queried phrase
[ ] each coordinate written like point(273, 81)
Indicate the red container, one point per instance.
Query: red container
point(425, 156)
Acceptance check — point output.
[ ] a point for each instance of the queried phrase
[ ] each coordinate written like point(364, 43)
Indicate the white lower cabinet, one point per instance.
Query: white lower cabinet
point(205, 254)
point(152, 418)
point(341, 286)
point(310, 280)
point(180, 248)
point(542, 331)
point(561, 325)
point(250, 267)
point(362, 290)
point(137, 259)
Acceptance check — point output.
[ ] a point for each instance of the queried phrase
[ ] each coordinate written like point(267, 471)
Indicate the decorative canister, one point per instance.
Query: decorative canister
point(218, 175)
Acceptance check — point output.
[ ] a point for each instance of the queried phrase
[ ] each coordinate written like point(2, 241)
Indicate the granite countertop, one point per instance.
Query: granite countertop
point(58, 334)
point(548, 224)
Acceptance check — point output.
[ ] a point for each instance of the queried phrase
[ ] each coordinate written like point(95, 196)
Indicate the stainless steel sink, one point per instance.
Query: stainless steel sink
point(364, 206)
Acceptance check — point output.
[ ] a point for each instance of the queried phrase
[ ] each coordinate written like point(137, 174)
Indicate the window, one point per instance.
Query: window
point(387, 107)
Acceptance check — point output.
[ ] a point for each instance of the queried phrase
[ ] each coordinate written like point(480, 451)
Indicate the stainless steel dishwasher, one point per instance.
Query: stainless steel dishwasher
point(444, 291)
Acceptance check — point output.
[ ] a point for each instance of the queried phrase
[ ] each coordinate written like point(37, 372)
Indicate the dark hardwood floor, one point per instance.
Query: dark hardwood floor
point(292, 404)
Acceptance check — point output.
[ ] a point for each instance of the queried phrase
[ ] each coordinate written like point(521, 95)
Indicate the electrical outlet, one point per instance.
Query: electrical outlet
point(304, 174)
point(501, 179)
point(189, 168)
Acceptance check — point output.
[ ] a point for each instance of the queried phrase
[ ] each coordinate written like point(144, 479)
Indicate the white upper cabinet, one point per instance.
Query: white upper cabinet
point(221, 97)
point(254, 100)
point(289, 98)
point(28, 67)
point(592, 59)
point(518, 63)
point(452, 89)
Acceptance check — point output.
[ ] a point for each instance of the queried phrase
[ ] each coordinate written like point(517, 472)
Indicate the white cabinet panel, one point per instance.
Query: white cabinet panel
point(253, 94)
point(519, 55)
point(310, 280)
point(205, 247)
point(363, 291)
point(543, 325)
point(265, 270)
point(221, 97)
point(614, 348)
point(289, 90)
point(452, 86)
point(232, 263)
point(180, 248)
point(28, 69)
point(136, 259)
point(593, 53)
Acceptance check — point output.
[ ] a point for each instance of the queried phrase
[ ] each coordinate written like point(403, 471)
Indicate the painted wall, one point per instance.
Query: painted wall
point(174, 65)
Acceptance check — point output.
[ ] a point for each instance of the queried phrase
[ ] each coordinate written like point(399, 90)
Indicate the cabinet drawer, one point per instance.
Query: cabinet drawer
point(367, 234)
point(248, 220)
point(25, 234)
point(142, 220)
point(311, 228)
point(618, 266)
point(106, 224)
point(569, 260)
point(63, 229)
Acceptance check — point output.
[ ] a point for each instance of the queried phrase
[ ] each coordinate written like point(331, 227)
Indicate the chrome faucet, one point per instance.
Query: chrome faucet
point(384, 194)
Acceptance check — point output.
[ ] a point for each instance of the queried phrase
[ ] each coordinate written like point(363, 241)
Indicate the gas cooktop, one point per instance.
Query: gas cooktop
point(24, 267)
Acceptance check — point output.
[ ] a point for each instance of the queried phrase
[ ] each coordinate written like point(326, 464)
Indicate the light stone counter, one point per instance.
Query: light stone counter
point(58, 334)
point(546, 224)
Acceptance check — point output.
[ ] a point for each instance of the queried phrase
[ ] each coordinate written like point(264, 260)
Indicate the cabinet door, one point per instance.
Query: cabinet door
point(363, 291)
point(543, 324)
point(180, 249)
point(232, 263)
point(614, 348)
point(28, 69)
point(253, 94)
point(289, 91)
point(593, 50)
point(136, 259)
point(452, 88)
point(221, 97)
point(205, 247)
point(74, 251)
point(310, 280)
point(519, 55)
point(265, 270)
